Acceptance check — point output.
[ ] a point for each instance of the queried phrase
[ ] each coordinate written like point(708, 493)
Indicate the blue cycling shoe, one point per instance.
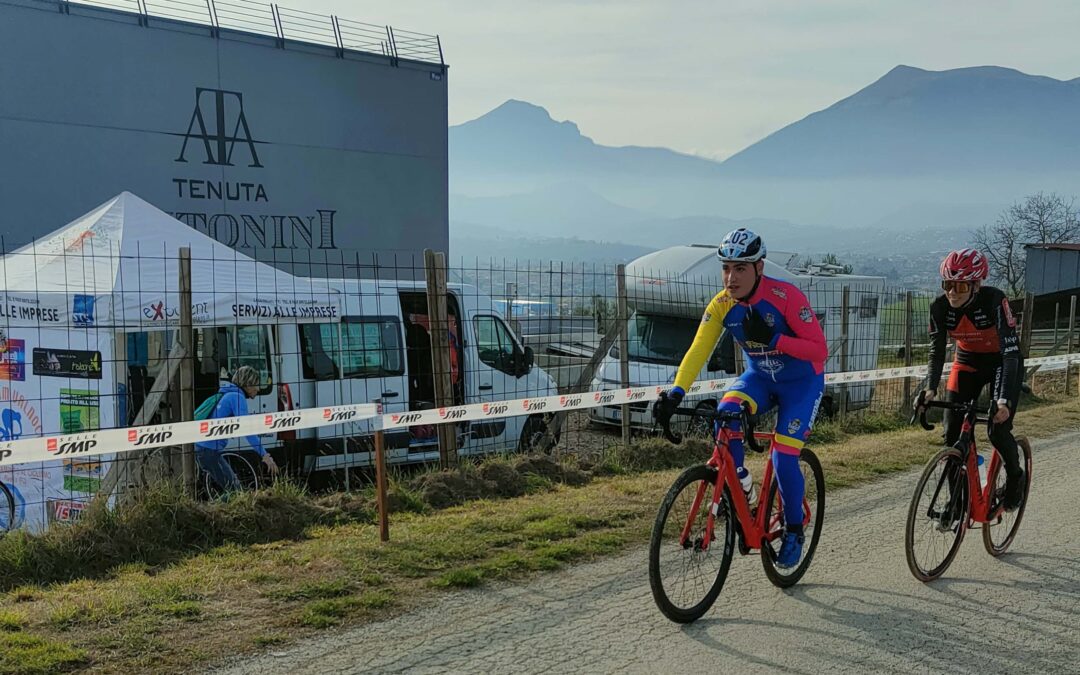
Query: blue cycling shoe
point(790, 550)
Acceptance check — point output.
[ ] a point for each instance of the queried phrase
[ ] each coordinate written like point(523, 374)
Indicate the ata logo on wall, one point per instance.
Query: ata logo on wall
point(226, 111)
point(218, 133)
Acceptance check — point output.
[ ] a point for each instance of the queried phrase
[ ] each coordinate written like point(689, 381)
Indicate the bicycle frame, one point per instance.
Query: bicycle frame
point(979, 495)
point(756, 532)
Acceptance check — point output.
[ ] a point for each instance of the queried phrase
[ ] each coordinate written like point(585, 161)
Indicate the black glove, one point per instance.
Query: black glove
point(757, 333)
point(665, 406)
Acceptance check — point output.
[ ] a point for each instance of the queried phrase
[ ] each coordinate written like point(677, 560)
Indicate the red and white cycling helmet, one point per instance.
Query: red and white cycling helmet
point(965, 265)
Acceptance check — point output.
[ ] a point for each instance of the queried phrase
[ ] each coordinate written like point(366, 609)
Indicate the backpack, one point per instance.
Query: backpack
point(207, 407)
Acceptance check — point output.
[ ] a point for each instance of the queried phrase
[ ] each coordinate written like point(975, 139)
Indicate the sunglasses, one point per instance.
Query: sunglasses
point(958, 286)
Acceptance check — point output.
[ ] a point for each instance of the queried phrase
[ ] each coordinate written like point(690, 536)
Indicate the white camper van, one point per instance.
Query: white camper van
point(667, 291)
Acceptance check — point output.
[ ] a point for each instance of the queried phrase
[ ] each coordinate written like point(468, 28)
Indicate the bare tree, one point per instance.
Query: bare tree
point(1040, 219)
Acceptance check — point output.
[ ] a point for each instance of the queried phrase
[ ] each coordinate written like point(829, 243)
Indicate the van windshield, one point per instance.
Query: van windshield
point(660, 339)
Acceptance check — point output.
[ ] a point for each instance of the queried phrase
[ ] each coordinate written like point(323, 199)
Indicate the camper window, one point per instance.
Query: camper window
point(370, 347)
point(660, 339)
point(868, 305)
point(494, 344)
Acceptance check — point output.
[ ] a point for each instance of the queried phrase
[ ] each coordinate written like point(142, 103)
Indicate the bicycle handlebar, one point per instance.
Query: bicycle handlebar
point(922, 406)
point(743, 416)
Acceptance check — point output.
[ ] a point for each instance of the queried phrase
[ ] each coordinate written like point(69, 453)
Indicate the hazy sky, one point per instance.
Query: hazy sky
point(711, 76)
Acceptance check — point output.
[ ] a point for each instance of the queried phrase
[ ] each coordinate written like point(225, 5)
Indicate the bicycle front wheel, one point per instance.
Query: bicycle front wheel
point(813, 512)
point(7, 509)
point(999, 533)
point(247, 473)
point(938, 515)
point(687, 572)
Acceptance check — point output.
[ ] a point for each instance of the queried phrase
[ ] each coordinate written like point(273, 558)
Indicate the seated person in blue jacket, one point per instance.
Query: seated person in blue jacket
point(245, 384)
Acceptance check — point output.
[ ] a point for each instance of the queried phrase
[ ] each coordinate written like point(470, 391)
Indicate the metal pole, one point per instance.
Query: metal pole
point(844, 304)
point(624, 348)
point(380, 487)
point(909, 340)
point(187, 371)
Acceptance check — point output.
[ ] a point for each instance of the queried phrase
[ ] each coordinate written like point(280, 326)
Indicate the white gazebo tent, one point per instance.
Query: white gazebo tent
point(68, 299)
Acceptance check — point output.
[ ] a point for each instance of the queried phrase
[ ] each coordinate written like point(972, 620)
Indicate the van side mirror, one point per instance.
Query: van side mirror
point(530, 358)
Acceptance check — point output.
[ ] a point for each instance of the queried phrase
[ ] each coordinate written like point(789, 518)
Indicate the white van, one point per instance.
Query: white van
point(380, 353)
point(377, 351)
point(668, 290)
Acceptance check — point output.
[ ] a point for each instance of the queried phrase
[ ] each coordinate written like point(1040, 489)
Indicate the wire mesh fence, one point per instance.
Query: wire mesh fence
point(94, 334)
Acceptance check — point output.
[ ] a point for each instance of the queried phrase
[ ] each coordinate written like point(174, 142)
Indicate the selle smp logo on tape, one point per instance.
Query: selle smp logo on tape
point(533, 406)
point(601, 397)
point(218, 430)
point(569, 401)
point(407, 418)
point(495, 409)
point(282, 422)
point(71, 447)
point(338, 415)
point(149, 437)
point(451, 413)
point(634, 395)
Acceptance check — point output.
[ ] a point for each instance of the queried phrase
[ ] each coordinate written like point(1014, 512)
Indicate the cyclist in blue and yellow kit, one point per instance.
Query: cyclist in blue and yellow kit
point(785, 348)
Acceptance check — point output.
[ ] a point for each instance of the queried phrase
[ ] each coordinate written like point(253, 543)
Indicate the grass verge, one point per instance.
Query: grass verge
point(239, 596)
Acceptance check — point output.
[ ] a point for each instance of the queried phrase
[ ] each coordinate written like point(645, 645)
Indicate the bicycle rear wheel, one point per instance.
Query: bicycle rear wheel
point(999, 533)
point(247, 473)
point(686, 575)
point(813, 512)
point(938, 515)
point(7, 509)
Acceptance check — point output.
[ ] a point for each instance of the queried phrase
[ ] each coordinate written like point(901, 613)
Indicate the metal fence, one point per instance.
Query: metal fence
point(102, 329)
point(281, 23)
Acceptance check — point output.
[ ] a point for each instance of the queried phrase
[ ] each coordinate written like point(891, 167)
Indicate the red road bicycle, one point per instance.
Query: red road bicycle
point(705, 510)
point(949, 498)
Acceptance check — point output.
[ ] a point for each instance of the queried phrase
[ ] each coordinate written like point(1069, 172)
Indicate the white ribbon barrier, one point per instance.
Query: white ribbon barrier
point(161, 435)
point(107, 441)
point(593, 399)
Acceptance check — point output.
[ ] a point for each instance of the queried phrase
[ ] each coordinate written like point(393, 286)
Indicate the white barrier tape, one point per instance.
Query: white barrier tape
point(179, 433)
point(567, 402)
point(107, 441)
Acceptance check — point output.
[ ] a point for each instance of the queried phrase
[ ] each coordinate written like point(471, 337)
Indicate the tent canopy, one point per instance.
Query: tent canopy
point(118, 266)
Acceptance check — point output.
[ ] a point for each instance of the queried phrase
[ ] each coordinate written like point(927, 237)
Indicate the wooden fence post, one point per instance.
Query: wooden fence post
point(187, 371)
point(439, 325)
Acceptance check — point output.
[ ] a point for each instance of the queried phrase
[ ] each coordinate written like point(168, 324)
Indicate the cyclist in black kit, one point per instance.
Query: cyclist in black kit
point(978, 318)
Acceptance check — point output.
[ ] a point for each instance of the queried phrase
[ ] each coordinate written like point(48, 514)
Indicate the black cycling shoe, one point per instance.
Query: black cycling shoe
point(1014, 491)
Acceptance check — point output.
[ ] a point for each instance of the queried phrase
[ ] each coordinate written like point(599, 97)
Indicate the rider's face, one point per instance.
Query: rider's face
point(959, 292)
point(739, 278)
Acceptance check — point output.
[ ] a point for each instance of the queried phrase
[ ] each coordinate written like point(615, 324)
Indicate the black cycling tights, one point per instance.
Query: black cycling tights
point(965, 384)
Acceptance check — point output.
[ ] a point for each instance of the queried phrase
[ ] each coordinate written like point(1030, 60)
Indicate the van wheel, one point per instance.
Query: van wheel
point(532, 434)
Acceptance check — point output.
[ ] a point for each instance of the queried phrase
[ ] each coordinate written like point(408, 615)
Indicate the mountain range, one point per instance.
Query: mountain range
point(918, 157)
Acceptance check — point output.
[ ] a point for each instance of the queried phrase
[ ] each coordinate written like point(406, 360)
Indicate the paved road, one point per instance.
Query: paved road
point(857, 609)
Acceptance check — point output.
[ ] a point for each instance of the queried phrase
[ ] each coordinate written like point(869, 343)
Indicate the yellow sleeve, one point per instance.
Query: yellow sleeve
point(708, 334)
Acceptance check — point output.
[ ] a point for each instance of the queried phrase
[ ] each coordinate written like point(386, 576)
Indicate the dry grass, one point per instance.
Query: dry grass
point(235, 598)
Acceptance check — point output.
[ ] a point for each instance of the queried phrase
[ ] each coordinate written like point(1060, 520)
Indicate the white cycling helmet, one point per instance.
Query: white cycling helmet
point(741, 245)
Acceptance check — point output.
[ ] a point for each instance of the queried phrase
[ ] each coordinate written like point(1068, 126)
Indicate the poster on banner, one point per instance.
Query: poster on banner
point(60, 393)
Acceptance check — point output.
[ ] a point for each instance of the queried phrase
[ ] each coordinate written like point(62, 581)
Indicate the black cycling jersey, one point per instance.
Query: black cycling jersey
point(986, 341)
